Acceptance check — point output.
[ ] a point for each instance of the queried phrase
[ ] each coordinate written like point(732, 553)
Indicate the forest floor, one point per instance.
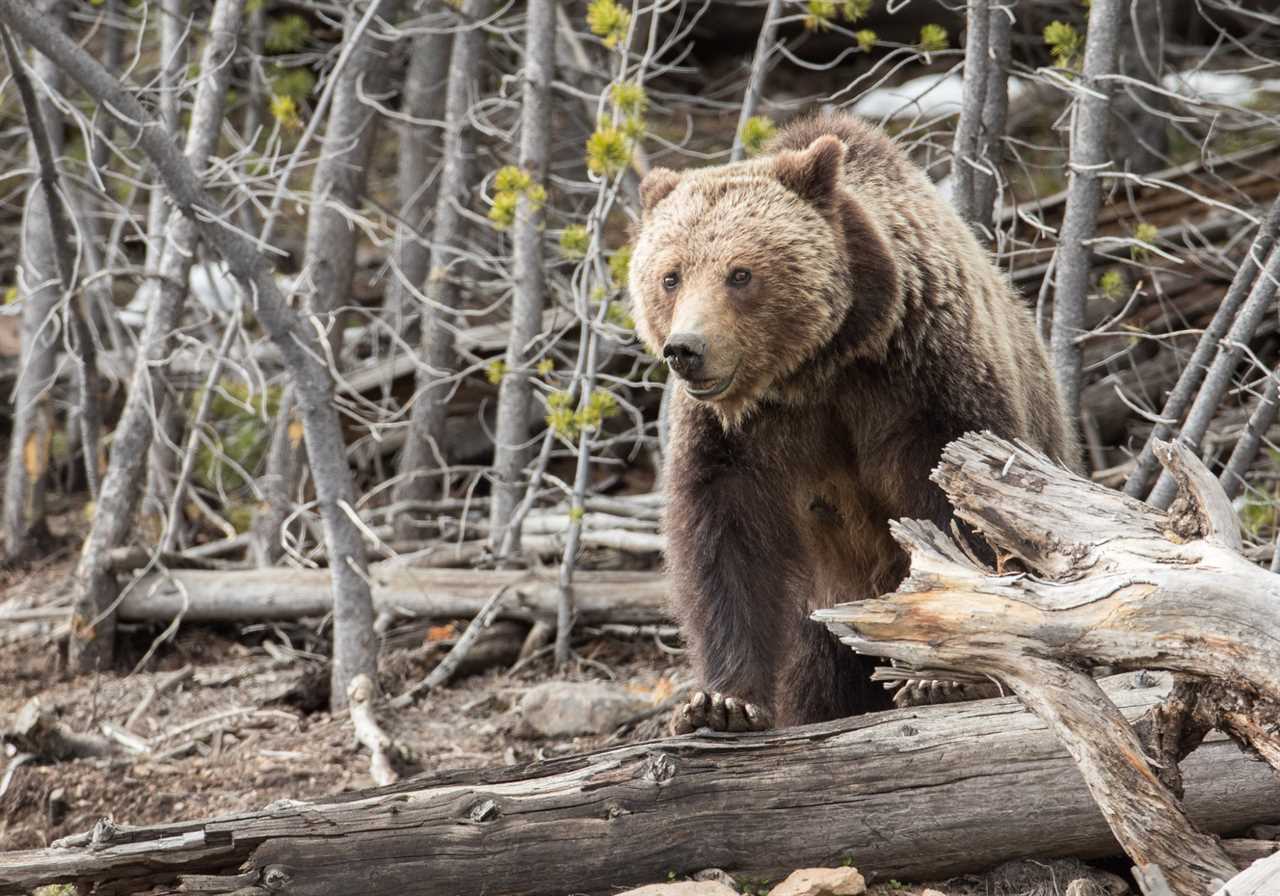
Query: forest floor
point(247, 723)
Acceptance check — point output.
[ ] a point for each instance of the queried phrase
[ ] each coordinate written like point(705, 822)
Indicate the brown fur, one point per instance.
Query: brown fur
point(874, 330)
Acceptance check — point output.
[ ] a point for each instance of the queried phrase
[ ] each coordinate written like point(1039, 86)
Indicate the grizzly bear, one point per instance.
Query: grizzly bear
point(832, 324)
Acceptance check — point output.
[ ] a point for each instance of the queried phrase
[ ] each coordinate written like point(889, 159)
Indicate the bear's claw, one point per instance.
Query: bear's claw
point(933, 692)
point(714, 710)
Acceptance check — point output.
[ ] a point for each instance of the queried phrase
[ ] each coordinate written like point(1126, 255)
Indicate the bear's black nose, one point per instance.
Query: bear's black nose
point(684, 352)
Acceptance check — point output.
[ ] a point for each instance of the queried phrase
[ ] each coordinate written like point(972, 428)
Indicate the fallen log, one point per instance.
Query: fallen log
point(1089, 577)
point(283, 594)
point(908, 794)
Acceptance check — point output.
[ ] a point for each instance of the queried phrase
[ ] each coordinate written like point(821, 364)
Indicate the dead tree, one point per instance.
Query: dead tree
point(967, 151)
point(55, 214)
point(1088, 577)
point(422, 106)
point(93, 628)
point(909, 794)
point(40, 292)
point(995, 114)
point(301, 348)
point(337, 187)
point(515, 393)
point(1217, 380)
point(425, 448)
point(1088, 159)
point(161, 452)
point(1186, 388)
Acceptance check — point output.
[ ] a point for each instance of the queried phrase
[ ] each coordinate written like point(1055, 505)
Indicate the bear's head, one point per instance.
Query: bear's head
point(743, 274)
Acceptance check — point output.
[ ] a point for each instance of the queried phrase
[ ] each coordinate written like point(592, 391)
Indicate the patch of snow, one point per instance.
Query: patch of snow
point(1218, 87)
point(926, 96)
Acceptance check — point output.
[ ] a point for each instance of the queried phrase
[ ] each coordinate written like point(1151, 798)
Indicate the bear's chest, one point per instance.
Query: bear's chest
point(846, 539)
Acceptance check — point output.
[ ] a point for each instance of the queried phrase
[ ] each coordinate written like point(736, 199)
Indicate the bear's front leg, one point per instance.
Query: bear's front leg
point(732, 553)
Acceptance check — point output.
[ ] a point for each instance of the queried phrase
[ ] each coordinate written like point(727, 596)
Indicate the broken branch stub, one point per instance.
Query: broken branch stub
point(1108, 581)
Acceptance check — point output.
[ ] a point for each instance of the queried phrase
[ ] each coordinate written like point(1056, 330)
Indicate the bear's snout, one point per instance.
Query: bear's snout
point(685, 352)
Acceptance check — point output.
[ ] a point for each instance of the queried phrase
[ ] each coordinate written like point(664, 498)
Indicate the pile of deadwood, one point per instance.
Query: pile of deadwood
point(1179, 743)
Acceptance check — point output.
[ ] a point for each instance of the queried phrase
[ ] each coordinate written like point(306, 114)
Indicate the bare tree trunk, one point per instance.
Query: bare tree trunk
point(354, 650)
point(425, 86)
point(511, 452)
point(172, 24)
point(995, 114)
point(161, 460)
point(38, 284)
point(1247, 447)
point(92, 641)
point(1218, 379)
point(1088, 157)
point(967, 151)
point(329, 262)
point(1140, 141)
point(1193, 372)
point(424, 450)
point(284, 468)
point(759, 70)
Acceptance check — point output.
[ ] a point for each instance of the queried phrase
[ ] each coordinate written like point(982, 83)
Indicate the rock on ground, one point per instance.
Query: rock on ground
point(822, 882)
point(572, 708)
point(684, 888)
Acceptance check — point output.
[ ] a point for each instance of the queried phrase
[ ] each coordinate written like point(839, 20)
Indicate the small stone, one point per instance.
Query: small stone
point(932, 893)
point(822, 882)
point(684, 888)
point(571, 708)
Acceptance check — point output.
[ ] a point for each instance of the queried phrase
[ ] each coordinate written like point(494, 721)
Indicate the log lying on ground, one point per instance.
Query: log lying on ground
point(912, 793)
point(279, 594)
point(1102, 579)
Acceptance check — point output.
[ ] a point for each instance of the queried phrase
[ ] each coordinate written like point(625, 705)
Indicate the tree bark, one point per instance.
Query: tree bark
point(515, 392)
point(281, 595)
point(995, 114)
point(908, 794)
point(92, 641)
point(38, 283)
point(1180, 398)
point(1088, 157)
point(1218, 379)
point(425, 85)
point(424, 450)
point(337, 187)
point(967, 154)
point(1246, 449)
point(1100, 579)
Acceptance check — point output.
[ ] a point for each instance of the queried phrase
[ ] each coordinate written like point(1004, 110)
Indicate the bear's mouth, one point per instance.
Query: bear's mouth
point(704, 390)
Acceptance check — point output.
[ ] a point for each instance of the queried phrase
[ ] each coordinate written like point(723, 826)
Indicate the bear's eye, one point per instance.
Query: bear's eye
point(739, 276)
point(671, 281)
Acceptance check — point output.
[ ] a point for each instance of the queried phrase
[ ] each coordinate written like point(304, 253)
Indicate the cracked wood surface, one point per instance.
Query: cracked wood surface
point(911, 793)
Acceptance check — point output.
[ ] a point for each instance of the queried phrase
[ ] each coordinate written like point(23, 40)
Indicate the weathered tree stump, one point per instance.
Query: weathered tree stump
point(1088, 577)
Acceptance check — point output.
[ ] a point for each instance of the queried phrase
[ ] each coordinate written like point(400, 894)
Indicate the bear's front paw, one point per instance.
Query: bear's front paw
point(711, 709)
point(934, 692)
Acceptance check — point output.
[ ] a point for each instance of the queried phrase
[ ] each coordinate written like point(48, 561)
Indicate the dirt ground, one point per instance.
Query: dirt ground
point(238, 717)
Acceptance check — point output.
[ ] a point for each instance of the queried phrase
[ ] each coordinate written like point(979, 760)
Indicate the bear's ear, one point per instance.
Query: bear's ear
point(656, 185)
point(812, 173)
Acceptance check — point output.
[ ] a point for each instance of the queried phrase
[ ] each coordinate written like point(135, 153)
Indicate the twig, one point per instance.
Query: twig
point(14, 764)
point(447, 666)
point(360, 703)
